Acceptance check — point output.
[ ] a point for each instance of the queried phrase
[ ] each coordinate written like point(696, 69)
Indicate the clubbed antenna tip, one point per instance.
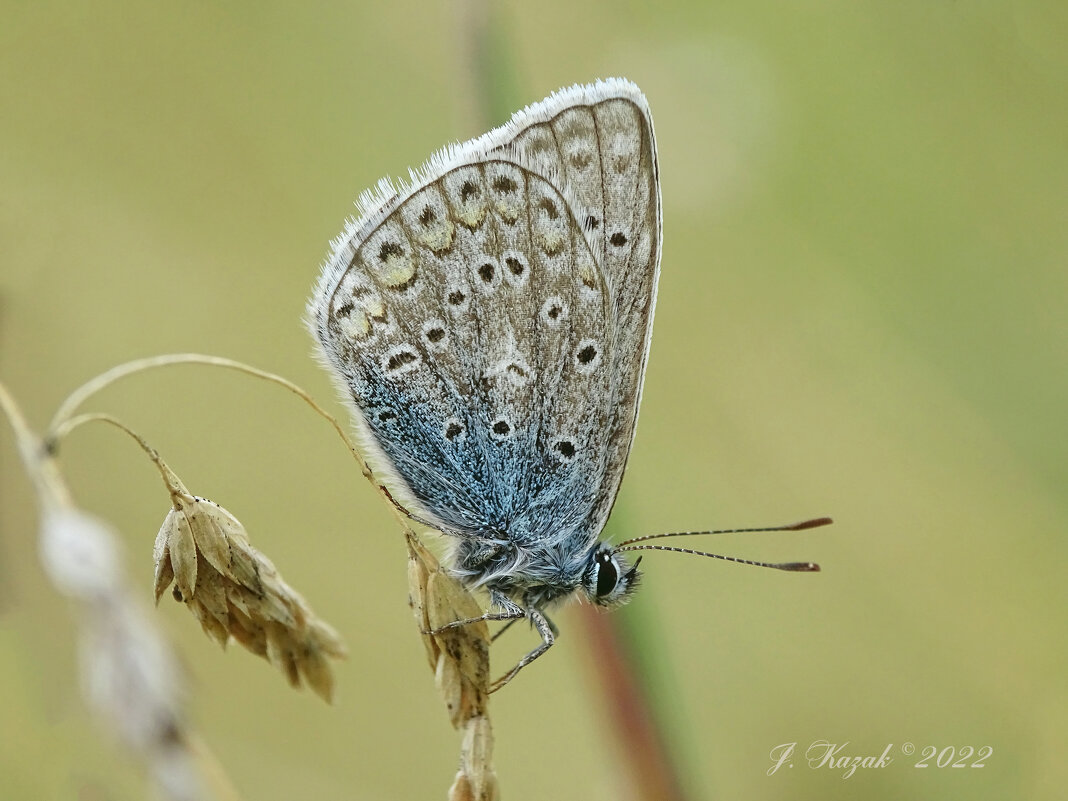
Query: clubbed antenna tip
point(799, 567)
point(815, 522)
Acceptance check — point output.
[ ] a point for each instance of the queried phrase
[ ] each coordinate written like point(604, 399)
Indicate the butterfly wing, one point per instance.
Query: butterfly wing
point(597, 143)
point(489, 328)
point(470, 325)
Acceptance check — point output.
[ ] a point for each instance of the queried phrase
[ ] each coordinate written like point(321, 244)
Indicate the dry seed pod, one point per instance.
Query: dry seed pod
point(476, 780)
point(459, 657)
point(235, 591)
point(463, 666)
point(418, 580)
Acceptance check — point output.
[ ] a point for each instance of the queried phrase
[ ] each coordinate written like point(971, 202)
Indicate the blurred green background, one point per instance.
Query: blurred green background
point(861, 314)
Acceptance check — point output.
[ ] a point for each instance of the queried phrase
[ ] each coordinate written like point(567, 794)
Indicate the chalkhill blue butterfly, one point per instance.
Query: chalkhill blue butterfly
point(491, 321)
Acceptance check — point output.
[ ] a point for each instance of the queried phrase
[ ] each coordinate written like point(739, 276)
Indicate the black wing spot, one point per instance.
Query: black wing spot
point(389, 249)
point(618, 239)
point(553, 311)
point(546, 205)
point(485, 272)
point(581, 160)
point(398, 360)
point(428, 216)
point(592, 223)
point(435, 334)
point(503, 183)
point(515, 265)
point(453, 430)
point(456, 297)
point(565, 448)
point(467, 191)
point(501, 428)
point(587, 354)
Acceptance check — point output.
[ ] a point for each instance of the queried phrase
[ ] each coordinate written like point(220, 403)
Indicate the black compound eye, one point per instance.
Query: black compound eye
point(607, 575)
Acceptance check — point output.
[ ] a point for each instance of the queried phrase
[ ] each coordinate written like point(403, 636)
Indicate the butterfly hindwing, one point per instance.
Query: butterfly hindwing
point(601, 151)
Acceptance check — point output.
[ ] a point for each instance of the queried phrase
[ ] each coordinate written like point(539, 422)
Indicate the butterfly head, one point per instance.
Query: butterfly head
point(609, 579)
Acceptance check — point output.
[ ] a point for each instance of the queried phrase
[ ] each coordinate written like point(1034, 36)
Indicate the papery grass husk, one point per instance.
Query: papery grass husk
point(459, 657)
point(235, 591)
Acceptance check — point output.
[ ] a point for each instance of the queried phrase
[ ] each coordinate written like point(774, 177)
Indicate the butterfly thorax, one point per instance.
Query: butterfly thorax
point(537, 576)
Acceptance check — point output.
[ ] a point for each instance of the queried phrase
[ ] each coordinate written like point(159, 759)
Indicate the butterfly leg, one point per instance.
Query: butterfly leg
point(510, 611)
point(552, 626)
point(514, 620)
point(548, 637)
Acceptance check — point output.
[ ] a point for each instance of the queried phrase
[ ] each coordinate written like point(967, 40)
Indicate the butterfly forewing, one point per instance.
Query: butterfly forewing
point(492, 322)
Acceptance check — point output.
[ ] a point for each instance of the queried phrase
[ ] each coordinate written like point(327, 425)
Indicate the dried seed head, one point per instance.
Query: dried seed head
point(459, 657)
point(235, 591)
point(418, 582)
point(476, 780)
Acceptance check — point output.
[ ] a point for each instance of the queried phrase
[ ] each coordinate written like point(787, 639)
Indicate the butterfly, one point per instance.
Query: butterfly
point(490, 322)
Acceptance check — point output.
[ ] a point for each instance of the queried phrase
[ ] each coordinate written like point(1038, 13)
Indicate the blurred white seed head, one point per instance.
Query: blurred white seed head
point(130, 675)
point(79, 552)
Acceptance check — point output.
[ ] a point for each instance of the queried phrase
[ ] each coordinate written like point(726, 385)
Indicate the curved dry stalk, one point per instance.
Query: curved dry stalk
point(63, 423)
point(60, 426)
point(34, 454)
point(108, 377)
point(61, 431)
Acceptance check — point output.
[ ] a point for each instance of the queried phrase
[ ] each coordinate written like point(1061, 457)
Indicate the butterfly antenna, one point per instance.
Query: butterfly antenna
point(793, 567)
point(815, 522)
